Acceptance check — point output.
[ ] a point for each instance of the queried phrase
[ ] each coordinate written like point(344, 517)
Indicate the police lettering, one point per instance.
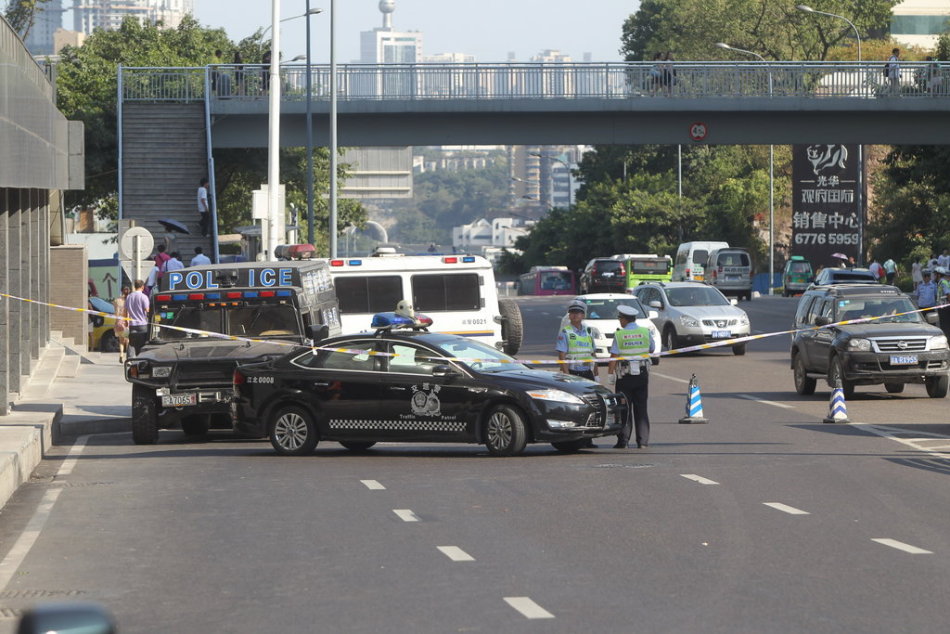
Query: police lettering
point(193, 280)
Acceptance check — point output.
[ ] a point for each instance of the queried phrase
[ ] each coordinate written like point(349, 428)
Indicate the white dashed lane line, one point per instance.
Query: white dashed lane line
point(373, 485)
point(406, 515)
point(791, 510)
point(455, 553)
point(749, 397)
point(668, 377)
point(697, 478)
point(907, 548)
point(528, 608)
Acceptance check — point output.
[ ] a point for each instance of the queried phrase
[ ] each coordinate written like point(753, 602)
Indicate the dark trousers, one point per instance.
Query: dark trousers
point(138, 337)
point(204, 220)
point(890, 277)
point(636, 388)
point(944, 315)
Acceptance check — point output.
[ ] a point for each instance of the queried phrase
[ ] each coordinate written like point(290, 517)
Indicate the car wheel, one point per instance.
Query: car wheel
point(505, 433)
point(894, 388)
point(512, 325)
point(293, 432)
point(144, 416)
point(803, 385)
point(738, 349)
point(357, 445)
point(108, 342)
point(937, 386)
point(836, 377)
point(669, 338)
point(196, 425)
point(570, 446)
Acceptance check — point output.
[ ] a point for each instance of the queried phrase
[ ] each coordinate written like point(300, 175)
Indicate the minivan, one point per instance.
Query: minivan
point(730, 270)
point(691, 259)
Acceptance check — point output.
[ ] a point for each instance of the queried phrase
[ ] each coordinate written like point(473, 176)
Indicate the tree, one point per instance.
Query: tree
point(21, 14)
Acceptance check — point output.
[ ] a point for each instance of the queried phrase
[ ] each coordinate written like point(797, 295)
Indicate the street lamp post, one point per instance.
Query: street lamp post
point(333, 148)
point(273, 136)
point(570, 176)
point(857, 37)
point(771, 173)
point(310, 236)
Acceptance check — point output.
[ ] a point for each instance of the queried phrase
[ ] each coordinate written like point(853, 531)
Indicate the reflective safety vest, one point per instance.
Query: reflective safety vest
point(633, 341)
point(579, 346)
point(943, 290)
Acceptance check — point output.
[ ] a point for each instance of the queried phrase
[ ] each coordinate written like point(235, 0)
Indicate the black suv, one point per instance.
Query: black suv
point(897, 348)
point(604, 275)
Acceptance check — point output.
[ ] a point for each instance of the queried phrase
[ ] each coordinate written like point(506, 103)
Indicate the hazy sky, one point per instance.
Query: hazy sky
point(487, 29)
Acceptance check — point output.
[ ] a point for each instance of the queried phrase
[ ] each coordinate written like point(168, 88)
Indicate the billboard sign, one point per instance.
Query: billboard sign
point(826, 219)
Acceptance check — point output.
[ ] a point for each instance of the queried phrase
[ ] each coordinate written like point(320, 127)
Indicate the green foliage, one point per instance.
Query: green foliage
point(776, 29)
point(21, 14)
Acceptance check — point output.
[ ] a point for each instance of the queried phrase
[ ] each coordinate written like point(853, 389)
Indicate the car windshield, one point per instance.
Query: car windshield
point(478, 356)
point(246, 321)
point(607, 308)
point(608, 266)
point(799, 267)
point(556, 280)
point(696, 296)
point(887, 308)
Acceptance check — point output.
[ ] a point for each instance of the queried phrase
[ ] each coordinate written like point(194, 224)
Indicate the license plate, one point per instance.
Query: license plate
point(721, 334)
point(732, 277)
point(607, 274)
point(903, 359)
point(179, 400)
point(698, 277)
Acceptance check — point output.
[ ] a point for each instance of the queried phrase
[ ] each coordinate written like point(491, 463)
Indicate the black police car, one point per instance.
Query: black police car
point(408, 385)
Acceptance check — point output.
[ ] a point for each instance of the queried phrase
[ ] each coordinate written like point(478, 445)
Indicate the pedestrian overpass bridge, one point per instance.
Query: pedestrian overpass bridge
point(750, 103)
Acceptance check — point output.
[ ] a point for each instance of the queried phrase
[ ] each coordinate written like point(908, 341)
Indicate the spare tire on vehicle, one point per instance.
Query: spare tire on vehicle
point(512, 326)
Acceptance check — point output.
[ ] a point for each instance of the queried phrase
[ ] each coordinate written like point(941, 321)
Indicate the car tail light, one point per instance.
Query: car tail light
point(238, 378)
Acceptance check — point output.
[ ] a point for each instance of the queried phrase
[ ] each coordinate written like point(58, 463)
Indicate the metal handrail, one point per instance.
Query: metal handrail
point(519, 80)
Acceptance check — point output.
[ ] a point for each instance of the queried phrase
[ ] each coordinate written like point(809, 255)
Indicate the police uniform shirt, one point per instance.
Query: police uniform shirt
point(926, 294)
point(562, 346)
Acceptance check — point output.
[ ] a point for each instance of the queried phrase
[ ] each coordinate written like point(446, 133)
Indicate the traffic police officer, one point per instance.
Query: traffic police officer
point(575, 341)
point(943, 297)
point(926, 292)
point(634, 379)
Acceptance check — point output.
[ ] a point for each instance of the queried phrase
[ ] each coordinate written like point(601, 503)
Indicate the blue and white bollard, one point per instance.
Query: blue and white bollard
point(837, 408)
point(694, 404)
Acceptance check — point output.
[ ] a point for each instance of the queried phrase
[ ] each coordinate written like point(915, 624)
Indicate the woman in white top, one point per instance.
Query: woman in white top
point(915, 274)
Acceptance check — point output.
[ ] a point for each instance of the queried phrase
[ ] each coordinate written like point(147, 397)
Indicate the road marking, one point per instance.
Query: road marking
point(697, 478)
point(749, 397)
point(791, 510)
point(373, 485)
point(528, 608)
point(891, 433)
point(406, 515)
point(455, 553)
point(21, 547)
point(668, 377)
point(907, 548)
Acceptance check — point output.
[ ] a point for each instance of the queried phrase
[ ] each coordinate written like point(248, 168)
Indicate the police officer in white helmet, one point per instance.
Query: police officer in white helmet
point(631, 375)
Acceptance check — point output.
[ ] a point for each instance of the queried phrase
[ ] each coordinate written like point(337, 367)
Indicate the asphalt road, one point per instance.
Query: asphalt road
point(762, 520)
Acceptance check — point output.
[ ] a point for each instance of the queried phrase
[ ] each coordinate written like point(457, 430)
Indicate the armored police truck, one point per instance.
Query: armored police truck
point(205, 320)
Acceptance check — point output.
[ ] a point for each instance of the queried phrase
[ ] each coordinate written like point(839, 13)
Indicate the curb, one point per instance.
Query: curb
point(65, 432)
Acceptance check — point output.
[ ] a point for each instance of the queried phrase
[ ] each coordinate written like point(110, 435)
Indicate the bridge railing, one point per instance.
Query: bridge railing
point(476, 81)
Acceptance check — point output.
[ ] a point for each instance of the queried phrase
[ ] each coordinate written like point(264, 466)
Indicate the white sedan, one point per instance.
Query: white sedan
point(602, 319)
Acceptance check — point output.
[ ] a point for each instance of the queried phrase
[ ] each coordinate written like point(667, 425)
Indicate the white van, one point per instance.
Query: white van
point(457, 291)
point(691, 259)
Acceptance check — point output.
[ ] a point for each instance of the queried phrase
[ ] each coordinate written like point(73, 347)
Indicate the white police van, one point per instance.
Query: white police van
point(458, 291)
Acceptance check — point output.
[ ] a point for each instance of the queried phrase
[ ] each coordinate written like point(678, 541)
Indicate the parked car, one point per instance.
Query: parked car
point(602, 319)
point(102, 336)
point(691, 313)
point(797, 275)
point(404, 384)
point(894, 350)
point(604, 275)
point(832, 275)
point(730, 270)
point(691, 259)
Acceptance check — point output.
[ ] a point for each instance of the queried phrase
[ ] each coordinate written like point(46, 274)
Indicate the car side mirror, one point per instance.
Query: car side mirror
point(656, 304)
point(932, 318)
point(653, 314)
point(822, 321)
point(318, 333)
point(445, 370)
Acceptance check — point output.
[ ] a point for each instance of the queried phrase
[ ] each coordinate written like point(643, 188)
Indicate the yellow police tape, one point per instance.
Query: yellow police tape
point(375, 353)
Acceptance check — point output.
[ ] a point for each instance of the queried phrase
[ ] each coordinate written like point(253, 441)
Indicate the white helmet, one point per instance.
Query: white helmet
point(404, 309)
point(577, 305)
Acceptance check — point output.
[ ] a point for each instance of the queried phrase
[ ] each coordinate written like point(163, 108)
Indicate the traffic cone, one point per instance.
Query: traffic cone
point(837, 408)
point(694, 404)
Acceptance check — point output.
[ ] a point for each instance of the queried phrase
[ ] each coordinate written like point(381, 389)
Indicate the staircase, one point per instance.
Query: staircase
point(165, 155)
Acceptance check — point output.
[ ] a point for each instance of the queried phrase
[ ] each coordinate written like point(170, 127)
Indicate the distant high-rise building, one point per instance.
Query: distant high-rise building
point(385, 45)
point(920, 22)
point(89, 15)
point(48, 18)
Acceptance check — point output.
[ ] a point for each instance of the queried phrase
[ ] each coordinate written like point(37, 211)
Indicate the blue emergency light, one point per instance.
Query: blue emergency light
point(392, 320)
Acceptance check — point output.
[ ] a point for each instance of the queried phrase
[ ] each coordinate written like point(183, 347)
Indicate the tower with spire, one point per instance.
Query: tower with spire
point(385, 45)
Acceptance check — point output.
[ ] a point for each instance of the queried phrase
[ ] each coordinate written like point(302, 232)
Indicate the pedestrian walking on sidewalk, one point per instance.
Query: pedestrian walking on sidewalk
point(136, 307)
point(121, 328)
point(200, 258)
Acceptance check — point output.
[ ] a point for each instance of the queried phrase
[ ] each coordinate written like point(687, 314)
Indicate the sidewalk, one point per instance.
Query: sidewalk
point(69, 393)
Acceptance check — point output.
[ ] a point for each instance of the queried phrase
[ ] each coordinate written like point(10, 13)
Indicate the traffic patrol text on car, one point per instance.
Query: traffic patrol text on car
point(408, 385)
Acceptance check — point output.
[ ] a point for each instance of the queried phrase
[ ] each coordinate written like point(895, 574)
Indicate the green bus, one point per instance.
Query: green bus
point(646, 267)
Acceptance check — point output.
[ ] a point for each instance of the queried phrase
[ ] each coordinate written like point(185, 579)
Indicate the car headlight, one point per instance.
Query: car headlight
point(937, 343)
point(689, 322)
point(161, 371)
point(743, 320)
point(860, 345)
point(558, 396)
